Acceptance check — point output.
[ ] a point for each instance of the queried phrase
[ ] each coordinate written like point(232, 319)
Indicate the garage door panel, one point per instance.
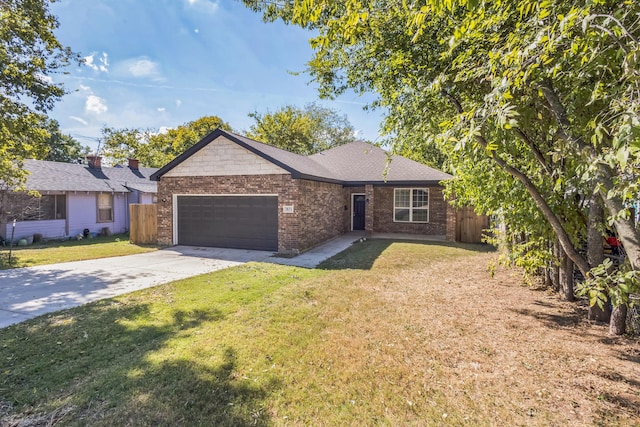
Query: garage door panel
point(248, 222)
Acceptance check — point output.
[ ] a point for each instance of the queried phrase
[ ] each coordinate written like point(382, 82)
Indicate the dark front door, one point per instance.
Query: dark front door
point(359, 206)
point(242, 222)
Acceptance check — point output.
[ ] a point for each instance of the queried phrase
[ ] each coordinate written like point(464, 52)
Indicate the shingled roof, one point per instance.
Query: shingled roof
point(360, 162)
point(356, 163)
point(57, 176)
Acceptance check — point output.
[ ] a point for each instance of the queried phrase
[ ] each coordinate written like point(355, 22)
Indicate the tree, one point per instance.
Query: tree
point(305, 131)
point(63, 148)
point(122, 144)
point(539, 96)
point(29, 54)
point(155, 149)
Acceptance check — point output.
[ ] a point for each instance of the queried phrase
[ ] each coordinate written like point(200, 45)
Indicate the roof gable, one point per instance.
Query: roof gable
point(295, 164)
point(224, 157)
point(356, 163)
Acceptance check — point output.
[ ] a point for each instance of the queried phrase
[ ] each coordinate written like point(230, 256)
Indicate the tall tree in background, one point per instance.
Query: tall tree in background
point(118, 145)
point(155, 149)
point(539, 97)
point(29, 54)
point(305, 131)
point(63, 148)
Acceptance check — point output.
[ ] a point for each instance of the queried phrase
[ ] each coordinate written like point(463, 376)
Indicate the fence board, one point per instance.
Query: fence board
point(469, 226)
point(143, 224)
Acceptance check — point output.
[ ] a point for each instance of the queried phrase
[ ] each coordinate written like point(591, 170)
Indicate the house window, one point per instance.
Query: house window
point(42, 208)
point(411, 205)
point(105, 207)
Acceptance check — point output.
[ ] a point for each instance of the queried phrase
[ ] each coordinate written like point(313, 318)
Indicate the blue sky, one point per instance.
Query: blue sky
point(161, 63)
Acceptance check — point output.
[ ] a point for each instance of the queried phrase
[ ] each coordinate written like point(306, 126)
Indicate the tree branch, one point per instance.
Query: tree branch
point(536, 152)
point(533, 191)
point(622, 27)
point(628, 234)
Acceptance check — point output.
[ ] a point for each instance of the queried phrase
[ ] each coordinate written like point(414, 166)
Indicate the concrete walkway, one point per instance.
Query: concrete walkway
point(29, 292)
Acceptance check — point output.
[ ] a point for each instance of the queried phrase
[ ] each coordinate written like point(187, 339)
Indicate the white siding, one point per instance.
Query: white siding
point(223, 157)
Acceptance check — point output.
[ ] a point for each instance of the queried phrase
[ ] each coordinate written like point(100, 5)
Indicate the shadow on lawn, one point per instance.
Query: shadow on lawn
point(363, 255)
point(97, 365)
point(553, 320)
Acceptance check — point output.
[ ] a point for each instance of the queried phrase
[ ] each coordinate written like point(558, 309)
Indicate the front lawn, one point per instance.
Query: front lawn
point(70, 250)
point(383, 334)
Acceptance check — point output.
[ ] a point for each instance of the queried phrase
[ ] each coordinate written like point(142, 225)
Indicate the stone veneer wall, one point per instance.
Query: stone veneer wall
point(383, 214)
point(281, 185)
point(321, 209)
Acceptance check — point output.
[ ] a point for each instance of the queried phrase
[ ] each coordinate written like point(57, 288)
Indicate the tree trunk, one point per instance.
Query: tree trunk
point(595, 254)
point(618, 322)
point(562, 268)
point(555, 266)
point(595, 248)
point(548, 281)
point(626, 231)
point(567, 285)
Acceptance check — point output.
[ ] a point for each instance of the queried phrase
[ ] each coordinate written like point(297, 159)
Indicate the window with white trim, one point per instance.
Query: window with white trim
point(411, 205)
point(105, 207)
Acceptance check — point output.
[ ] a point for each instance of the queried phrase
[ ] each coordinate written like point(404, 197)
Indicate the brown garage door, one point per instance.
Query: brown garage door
point(242, 222)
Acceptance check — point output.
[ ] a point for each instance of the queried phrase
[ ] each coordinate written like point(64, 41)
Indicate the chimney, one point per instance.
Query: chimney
point(94, 161)
point(133, 164)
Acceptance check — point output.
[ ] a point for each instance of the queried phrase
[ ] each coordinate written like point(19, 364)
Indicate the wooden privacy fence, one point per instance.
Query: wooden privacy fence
point(469, 226)
point(143, 224)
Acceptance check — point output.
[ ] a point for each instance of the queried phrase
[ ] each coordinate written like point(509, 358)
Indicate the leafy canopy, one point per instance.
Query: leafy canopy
point(154, 149)
point(305, 131)
point(29, 55)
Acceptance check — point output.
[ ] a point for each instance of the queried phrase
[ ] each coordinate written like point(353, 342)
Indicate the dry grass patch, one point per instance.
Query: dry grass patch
point(383, 334)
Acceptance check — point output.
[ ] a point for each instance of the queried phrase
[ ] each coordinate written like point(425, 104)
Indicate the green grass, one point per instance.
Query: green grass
point(249, 345)
point(199, 351)
point(52, 252)
point(351, 343)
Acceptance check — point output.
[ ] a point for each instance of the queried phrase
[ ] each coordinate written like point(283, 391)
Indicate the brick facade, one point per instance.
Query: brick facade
point(379, 212)
point(318, 208)
point(322, 212)
point(383, 214)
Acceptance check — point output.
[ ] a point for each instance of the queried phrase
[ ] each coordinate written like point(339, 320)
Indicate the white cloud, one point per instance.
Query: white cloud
point(79, 120)
point(203, 6)
point(45, 79)
point(163, 130)
point(142, 67)
point(178, 102)
point(95, 104)
point(84, 88)
point(196, 31)
point(161, 109)
point(102, 64)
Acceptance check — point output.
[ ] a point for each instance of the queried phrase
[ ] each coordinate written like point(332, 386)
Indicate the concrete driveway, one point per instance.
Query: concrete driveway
point(29, 292)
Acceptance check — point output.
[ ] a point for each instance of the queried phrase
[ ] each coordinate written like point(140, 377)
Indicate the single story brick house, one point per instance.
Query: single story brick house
point(75, 197)
point(230, 191)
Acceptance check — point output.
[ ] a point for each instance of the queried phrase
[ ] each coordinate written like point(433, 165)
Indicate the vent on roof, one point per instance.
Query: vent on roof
point(94, 162)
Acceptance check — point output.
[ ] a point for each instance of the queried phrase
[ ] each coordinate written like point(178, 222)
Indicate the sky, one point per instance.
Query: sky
point(157, 64)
